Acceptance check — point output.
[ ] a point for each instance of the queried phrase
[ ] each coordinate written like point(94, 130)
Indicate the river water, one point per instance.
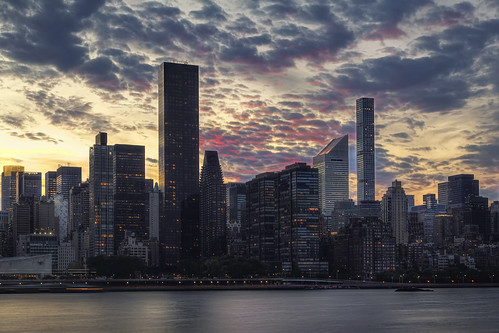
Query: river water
point(444, 310)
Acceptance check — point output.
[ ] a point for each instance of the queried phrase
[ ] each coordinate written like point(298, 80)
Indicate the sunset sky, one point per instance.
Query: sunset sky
point(278, 81)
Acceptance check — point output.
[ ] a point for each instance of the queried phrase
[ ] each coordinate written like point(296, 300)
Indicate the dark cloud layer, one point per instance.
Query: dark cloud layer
point(446, 58)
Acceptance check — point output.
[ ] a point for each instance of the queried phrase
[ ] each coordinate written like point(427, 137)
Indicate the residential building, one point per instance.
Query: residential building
point(365, 149)
point(178, 116)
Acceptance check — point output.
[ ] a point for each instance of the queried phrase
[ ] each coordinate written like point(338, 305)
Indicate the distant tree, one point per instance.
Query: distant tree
point(116, 266)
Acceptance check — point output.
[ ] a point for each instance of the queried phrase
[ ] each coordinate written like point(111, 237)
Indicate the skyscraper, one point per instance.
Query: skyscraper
point(298, 218)
point(129, 193)
point(178, 117)
point(101, 197)
point(461, 188)
point(394, 211)
point(212, 226)
point(332, 164)
point(9, 183)
point(67, 177)
point(29, 184)
point(50, 184)
point(365, 149)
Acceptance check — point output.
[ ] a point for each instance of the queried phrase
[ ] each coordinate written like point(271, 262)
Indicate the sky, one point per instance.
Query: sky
point(278, 81)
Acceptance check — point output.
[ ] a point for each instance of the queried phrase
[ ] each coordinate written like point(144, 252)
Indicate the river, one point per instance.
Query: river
point(444, 310)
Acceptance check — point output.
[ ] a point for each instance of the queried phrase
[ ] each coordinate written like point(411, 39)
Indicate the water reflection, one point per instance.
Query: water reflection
point(445, 310)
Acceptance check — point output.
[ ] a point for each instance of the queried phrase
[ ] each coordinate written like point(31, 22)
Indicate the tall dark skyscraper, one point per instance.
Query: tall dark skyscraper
point(50, 184)
point(178, 117)
point(67, 177)
point(212, 227)
point(129, 193)
point(101, 197)
point(461, 188)
point(365, 149)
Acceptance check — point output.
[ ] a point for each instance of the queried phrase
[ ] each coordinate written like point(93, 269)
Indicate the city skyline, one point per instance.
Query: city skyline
point(277, 82)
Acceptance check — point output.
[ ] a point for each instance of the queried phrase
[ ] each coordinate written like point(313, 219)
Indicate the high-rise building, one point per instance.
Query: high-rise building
point(261, 217)
point(298, 219)
point(129, 193)
point(67, 177)
point(365, 149)
point(461, 188)
point(394, 211)
point(236, 234)
point(443, 193)
point(212, 193)
point(101, 197)
point(494, 219)
point(282, 218)
point(50, 184)
point(178, 117)
point(9, 185)
point(154, 212)
point(332, 164)
point(79, 207)
point(29, 184)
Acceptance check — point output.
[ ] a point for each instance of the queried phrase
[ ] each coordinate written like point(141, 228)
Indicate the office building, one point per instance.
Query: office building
point(443, 193)
point(29, 184)
point(261, 217)
point(67, 177)
point(50, 184)
point(461, 188)
point(101, 197)
point(298, 220)
point(79, 207)
point(129, 193)
point(178, 117)
point(212, 194)
point(236, 234)
point(332, 165)
point(9, 185)
point(365, 149)
point(394, 211)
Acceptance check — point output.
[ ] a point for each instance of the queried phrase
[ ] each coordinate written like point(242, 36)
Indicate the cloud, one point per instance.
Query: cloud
point(38, 136)
point(45, 32)
point(72, 113)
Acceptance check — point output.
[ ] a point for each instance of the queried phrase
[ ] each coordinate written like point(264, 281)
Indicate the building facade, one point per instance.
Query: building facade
point(394, 212)
point(100, 181)
point(50, 184)
point(365, 149)
point(129, 193)
point(332, 165)
point(67, 177)
point(178, 117)
point(9, 185)
point(212, 194)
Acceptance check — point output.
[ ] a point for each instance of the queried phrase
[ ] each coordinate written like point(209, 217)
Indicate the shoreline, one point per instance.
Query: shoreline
point(164, 285)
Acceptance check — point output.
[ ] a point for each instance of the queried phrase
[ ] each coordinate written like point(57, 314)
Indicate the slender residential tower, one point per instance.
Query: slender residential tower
point(365, 149)
point(332, 163)
point(178, 117)
point(101, 197)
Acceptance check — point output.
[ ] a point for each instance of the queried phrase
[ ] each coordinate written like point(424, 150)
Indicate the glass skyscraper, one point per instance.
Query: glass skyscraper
point(101, 197)
point(365, 149)
point(67, 177)
point(129, 193)
point(332, 163)
point(9, 184)
point(178, 117)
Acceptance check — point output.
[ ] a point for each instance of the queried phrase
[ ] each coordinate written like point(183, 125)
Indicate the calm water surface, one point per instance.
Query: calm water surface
point(444, 310)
